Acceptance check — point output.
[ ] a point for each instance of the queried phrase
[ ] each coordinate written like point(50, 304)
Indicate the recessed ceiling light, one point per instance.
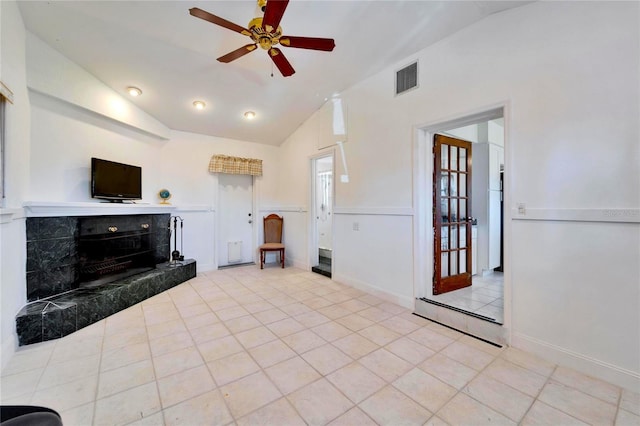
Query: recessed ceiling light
point(199, 105)
point(249, 115)
point(134, 91)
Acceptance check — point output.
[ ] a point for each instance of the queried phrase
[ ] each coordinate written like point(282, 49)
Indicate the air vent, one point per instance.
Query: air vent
point(407, 78)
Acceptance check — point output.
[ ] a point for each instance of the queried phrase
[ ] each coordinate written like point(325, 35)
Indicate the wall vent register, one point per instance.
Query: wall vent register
point(407, 78)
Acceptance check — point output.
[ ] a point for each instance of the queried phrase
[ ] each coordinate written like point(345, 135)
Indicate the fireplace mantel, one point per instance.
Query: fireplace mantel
point(54, 209)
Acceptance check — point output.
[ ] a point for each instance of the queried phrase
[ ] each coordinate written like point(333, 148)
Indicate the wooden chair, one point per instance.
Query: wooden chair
point(272, 238)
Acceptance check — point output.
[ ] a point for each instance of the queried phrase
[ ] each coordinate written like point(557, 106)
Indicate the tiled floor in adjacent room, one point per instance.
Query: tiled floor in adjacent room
point(246, 346)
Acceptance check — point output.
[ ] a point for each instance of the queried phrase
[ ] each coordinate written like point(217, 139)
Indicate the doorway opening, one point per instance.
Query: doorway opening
point(322, 214)
point(462, 208)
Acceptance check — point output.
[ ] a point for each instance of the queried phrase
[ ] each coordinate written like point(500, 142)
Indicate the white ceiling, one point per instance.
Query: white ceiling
point(170, 55)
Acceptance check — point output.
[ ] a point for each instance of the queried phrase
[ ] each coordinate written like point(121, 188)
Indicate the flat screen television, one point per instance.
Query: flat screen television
point(115, 182)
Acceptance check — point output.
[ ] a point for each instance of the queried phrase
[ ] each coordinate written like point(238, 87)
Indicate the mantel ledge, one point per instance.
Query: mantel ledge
point(54, 209)
point(7, 215)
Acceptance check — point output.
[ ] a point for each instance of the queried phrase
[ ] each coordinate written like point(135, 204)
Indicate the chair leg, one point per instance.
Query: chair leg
point(261, 259)
point(282, 258)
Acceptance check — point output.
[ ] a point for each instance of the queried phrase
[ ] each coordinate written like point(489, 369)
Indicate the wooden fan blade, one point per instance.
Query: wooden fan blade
point(281, 62)
point(326, 44)
point(232, 56)
point(273, 14)
point(202, 14)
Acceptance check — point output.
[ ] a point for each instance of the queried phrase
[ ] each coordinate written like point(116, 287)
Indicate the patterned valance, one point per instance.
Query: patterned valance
point(235, 165)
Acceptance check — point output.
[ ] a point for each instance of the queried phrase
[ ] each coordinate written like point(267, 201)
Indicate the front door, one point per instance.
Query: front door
point(452, 214)
point(235, 212)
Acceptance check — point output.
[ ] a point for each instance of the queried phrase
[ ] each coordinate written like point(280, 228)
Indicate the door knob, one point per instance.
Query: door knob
point(250, 221)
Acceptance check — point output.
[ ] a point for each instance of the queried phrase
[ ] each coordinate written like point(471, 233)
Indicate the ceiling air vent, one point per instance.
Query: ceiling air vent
point(407, 78)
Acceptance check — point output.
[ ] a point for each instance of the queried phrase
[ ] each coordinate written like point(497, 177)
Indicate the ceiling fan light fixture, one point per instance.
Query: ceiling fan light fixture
point(134, 91)
point(249, 115)
point(199, 105)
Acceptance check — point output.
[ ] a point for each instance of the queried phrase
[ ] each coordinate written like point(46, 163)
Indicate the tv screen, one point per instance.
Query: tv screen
point(115, 181)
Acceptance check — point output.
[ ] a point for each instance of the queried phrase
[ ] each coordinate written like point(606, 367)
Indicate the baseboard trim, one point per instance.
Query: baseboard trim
point(593, 367)
point(404, 301)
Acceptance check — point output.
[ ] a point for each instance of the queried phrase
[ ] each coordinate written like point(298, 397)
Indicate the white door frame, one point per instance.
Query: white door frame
point(313, 224)
point(217, 224)
point(423, 201)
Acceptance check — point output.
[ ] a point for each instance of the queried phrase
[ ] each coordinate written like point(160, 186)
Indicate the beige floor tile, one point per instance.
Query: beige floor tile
point(231, 368)
point(162, 329)
point(389, 406)
point(312, 319)
point(231, 313)
point(540, 414)
point(425, 389)
point(270, 315)
point(125, 338)
point(78, 416)
point(243, 323)
point(128, 406)
point(354, 305)
point(399, 325)
point(170, 343)
point(379, 334)
point(195, 310)
point(271, 353)
point(25, 360)
point(249, 393)
point(589, 385)
point(69, 395)
point(278, 413)
point(577, 404)
point(220, 304)
point(184, 385)
point(258, 306)
point(120, 357)
point(303, 341)
point(355, 345)
point(219, 348)
point(177, 361)
point(334, 312)
point(448, 370)
point(19, 384)
point(528, 361)
point(431, 339)
point(319, 402)
point(375, 314)
point(331, 331)
point(498, 396)
point(409, 350)
point(318, 302)
point(326, 358)
point(392, 307)
point(68, 349)
point(209, 332)
point(464, 410)
point(206, 409)
point(295, 309)
point(356, 382)
point(468, 355)
point(255, 337)
point(385, 364)
point(337, 297)
point(517, 377)
point(353, 417)
point(285, 327)
point(489, 348)
point(292, 374)
point(630, 401)
point(201, 320)
point(625, 418)
point(64, 372)
point(354, 322)
point(436, 421)
point(123, 378)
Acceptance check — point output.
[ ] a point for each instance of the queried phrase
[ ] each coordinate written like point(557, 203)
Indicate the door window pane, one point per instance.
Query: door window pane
point(444, 155)
point(462, 190)
point(463, 261)
point(444, 264)
point(454, 158)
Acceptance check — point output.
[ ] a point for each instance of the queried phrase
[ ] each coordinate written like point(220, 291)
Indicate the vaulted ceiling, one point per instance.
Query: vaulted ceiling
point(171, 56)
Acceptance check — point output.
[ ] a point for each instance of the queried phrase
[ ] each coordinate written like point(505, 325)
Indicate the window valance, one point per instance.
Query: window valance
point(235, 165)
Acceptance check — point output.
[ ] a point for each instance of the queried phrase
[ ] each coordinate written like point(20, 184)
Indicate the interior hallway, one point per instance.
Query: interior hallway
point(283, 346)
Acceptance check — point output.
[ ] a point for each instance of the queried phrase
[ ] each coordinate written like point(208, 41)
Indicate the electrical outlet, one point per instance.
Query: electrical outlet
point(522, 209)
point(356, 226)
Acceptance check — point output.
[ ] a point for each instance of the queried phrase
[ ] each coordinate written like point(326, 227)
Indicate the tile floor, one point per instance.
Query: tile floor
point(245, 346)
point(485, 297)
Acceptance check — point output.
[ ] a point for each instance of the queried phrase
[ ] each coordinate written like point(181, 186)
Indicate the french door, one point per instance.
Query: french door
point(452, 214)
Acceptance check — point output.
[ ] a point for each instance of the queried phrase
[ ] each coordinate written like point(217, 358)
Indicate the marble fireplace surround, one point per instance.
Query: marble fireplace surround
point(57, 305)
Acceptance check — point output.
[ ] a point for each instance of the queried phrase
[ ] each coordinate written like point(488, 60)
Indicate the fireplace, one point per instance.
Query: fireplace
point(70, 252)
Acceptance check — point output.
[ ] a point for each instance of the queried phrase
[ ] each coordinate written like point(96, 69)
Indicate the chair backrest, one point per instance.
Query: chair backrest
point(272, 229)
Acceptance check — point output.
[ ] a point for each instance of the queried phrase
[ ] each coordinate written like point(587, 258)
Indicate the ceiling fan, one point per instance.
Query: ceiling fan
point(266, 32)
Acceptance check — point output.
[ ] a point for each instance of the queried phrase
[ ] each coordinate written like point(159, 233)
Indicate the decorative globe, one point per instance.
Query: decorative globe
point(164, 194)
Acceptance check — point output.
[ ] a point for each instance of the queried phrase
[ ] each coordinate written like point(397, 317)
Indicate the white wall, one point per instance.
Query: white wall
point(572, 138)
point(12, 232)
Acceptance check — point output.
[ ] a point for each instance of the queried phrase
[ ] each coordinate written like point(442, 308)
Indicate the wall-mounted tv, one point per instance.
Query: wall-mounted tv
point(115, 181)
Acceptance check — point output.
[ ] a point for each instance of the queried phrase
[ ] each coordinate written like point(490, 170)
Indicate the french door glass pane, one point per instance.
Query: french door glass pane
point(444, 154)
point(444, 264)
point(454, 158)
point(463, 261)
point(453, 257)
point(462, 190)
